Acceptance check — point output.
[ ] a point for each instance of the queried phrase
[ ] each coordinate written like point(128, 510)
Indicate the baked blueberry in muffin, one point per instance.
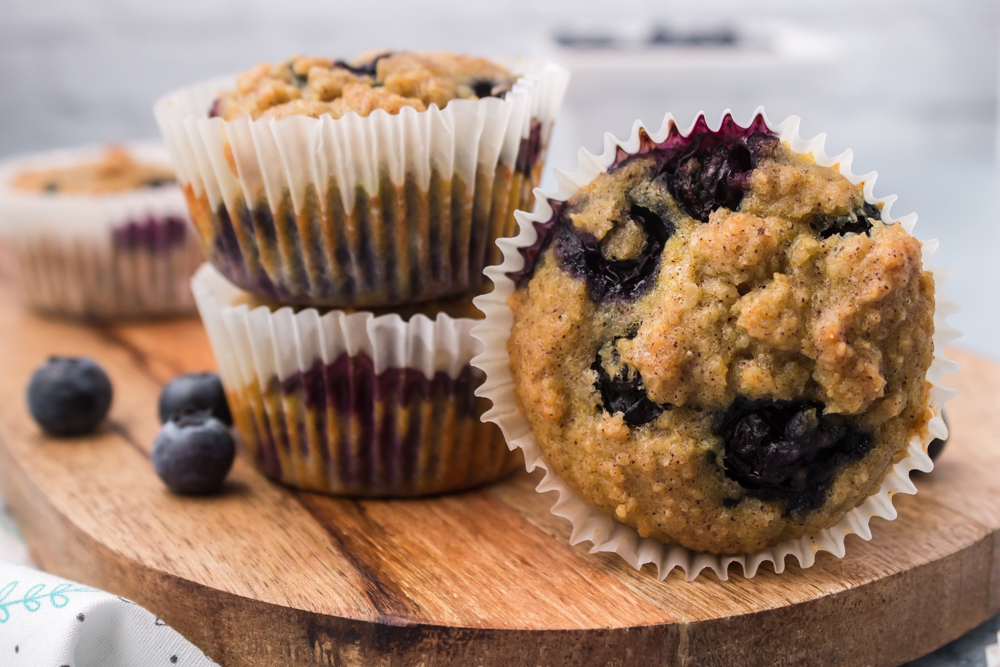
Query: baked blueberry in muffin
point(720, 343)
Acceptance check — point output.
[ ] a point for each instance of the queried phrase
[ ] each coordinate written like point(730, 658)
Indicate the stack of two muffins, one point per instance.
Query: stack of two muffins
point(347, 211)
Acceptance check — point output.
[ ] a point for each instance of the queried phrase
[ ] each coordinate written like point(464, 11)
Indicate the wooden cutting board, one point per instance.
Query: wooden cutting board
point(264, 575)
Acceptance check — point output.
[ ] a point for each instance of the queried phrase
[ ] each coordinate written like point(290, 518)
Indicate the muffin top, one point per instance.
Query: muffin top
point(720, 343)
point(115, 171)
point(384, 80)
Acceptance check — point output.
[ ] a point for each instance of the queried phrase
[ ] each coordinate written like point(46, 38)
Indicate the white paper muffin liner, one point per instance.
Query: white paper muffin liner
point(605, 534)
point(361, 211)
point(295, 383)
point(107, 256)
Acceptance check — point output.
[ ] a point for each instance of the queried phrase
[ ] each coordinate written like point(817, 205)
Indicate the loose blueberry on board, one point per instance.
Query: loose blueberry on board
point(192, 392)
point(581, 254)
point(787, 450)
point(69, 396)
point(193, 453)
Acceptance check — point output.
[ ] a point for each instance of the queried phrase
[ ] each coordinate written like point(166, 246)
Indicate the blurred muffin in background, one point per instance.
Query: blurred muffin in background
point(98, 233)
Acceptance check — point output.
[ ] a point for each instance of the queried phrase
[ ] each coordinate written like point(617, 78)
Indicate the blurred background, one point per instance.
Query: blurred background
point(910, 85)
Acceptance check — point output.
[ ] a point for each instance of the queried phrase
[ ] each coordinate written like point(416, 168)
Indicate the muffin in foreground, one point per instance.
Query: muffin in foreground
point(372, 183)
point(98, 233)
point(354, 404)
point(720, 343)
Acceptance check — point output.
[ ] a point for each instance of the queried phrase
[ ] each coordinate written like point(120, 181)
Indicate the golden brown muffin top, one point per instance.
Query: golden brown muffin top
point(115, 171)
point(305, 86)
point(722, 344)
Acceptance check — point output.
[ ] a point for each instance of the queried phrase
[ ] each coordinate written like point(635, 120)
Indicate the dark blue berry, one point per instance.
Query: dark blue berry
point(625, 393)
point(369, 68)
point(713, 171)
point(69, 396)
point(193, 453)
point(195, 392)
point(581, 255)
point(483, 88)
point(859, 222)
point(787, 450)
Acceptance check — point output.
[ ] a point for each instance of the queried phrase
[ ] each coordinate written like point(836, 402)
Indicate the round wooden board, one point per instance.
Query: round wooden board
point(264, 575)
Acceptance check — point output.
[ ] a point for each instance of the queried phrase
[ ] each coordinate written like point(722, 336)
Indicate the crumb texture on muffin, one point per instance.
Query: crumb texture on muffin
point(719, 343)
point(389, 81)
point(115, 171)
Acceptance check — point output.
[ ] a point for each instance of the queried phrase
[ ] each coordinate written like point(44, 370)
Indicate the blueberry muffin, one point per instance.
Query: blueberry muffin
point(114, 171)
point(353, 403)
point(371, 183)
point(99, 233)
point(720, 343)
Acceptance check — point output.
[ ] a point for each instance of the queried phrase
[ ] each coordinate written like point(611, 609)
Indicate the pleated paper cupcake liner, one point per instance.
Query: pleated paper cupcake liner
point(109, 256)
point(352, 404)
point(361, 212)
point(607, 535)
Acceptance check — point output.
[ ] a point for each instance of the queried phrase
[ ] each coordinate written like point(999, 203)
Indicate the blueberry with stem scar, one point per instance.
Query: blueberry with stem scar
point(195, 391)
point(193, 453)
point(69, 396)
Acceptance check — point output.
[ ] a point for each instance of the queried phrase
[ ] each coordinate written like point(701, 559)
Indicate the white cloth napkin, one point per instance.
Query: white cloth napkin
point(46, 621)
point(993, 654)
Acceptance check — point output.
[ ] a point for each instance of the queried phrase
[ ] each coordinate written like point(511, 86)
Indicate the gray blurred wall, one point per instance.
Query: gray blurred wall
point(908, 76)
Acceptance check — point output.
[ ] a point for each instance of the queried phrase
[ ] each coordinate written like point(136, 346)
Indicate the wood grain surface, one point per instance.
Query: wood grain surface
point(264, 575)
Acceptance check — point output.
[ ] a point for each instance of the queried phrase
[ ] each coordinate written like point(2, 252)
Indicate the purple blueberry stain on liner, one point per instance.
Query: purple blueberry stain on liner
point(155, 234)
point(530, 150)
point(374, 403)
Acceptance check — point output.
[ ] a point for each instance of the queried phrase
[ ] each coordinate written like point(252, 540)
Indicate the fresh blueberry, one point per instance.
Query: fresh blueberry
point(69, 396)
point(194, 392)
point(193, 453)
point(581, 254)
point(787, 450)
point(625, 393)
